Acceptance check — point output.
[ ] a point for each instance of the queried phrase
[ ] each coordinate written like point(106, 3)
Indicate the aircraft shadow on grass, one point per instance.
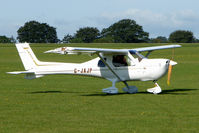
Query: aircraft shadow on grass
point(164, 92)
point(48, 92)
point(41, 92)
point(176, 91)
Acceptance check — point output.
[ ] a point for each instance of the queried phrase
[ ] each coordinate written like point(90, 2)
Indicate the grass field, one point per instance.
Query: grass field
point(65, 103)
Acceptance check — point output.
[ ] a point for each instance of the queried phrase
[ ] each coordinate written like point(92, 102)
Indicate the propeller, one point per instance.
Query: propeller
point(171, 63)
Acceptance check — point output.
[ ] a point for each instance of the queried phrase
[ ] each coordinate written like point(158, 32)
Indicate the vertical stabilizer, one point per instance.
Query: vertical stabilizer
point(27, 56)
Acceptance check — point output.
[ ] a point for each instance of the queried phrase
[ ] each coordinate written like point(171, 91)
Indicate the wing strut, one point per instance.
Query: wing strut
point(109, 67)
point(149, 52)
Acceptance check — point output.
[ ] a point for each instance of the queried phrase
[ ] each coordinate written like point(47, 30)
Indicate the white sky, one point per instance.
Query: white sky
point(158, 17)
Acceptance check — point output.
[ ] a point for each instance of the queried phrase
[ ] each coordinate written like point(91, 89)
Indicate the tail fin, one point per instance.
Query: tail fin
point(27, 56)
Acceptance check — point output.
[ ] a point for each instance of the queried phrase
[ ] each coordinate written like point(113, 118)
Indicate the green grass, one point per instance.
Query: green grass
point(65, 103)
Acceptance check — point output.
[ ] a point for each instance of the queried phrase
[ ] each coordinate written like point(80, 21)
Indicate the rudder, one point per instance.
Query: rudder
point(27, 56)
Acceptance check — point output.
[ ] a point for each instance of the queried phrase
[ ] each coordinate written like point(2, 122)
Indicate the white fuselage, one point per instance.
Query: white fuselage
point(147, 69)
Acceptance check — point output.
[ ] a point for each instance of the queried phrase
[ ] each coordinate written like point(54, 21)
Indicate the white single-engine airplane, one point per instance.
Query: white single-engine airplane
point(115, 65)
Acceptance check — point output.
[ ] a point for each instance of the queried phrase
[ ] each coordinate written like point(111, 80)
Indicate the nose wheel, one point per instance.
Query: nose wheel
point(155, 90)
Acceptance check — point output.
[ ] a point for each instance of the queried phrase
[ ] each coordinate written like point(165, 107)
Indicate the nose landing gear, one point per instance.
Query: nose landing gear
point(155, 90)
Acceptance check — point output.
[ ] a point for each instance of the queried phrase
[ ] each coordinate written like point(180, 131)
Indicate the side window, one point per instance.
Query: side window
point(120, 60)
point(101, 63)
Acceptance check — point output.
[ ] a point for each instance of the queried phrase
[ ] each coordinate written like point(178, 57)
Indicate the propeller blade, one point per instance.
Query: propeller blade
point(171, 63)
point(169, 74)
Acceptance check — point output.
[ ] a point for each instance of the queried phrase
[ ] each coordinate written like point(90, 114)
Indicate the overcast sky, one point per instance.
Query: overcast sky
point(158, 17)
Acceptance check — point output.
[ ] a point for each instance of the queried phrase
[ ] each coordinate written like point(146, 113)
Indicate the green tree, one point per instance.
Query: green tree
point(196, 40)
point(87, 34)
point(126, 31)
point(35, 32)
point(181, 36)
point(76, 40)
point(159, 39)
point(12, 39)
point(67, 38)
point(4, 39)
point(107, 39)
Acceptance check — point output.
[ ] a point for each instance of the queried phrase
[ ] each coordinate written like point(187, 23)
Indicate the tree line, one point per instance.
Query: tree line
point(123, 31)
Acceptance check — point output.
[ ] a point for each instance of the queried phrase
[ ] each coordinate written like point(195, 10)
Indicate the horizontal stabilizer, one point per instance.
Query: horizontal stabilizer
point(29, 75)
point(20, 72)
point(33, 76)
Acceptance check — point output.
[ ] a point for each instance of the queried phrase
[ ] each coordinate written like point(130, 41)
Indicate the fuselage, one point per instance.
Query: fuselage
point(144, 70)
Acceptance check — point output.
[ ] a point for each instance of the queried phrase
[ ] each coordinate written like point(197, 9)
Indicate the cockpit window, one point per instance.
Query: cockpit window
point(120, 60)
point(101, 63)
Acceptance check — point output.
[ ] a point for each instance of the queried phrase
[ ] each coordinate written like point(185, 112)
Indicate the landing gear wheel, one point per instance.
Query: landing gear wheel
point(110, 90)
point(130, 89)
point(155, 90)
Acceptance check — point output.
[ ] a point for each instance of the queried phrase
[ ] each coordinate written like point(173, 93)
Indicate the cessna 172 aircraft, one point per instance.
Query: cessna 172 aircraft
point(115, 65)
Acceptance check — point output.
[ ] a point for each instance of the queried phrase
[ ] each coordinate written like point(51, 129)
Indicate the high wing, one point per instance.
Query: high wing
point(79, 50)
point(156, 48)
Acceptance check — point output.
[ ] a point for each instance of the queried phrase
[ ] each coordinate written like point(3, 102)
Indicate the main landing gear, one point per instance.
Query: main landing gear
point(111, 90)
point(114, 90)
point(131, 89)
